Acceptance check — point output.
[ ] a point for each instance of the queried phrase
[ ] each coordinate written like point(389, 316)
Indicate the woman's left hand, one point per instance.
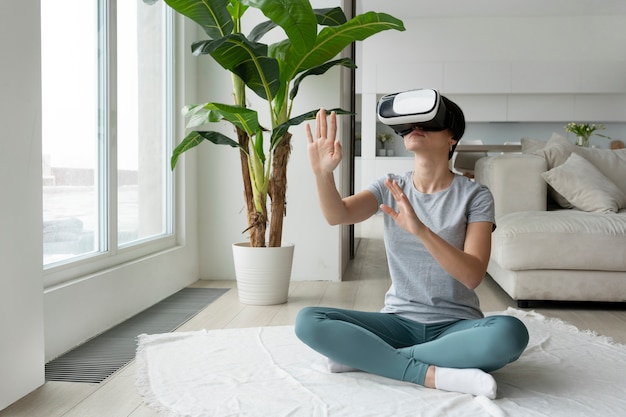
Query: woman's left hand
point(405, 217)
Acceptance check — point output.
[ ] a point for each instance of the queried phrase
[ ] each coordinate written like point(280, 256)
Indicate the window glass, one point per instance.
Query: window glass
point(107, 117)
point(141, 132)
point(71, 206)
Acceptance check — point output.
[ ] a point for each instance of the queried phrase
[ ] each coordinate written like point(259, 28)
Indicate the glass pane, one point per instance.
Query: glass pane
point(141, 133)
point(70, 128)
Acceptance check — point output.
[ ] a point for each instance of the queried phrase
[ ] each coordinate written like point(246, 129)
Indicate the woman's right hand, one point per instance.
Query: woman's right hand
point(324, 150)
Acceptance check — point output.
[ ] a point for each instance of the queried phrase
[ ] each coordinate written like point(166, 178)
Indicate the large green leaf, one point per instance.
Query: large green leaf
point(198, 115)
point(281, 50)
point(330, 17)
point(243, 118)
point(260, 30)
point(325, 17)
point(296, 17)
point(279, 131)
point(346, 62)
point(333, 39)
point(195, 138)
point(211, 15)
point(249, 60)
point(236, 9)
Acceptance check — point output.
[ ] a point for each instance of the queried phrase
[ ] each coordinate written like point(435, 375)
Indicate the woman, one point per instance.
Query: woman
point(438, 227)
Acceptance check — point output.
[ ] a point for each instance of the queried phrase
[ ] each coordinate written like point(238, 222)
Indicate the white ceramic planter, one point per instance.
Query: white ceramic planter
point(263, 274)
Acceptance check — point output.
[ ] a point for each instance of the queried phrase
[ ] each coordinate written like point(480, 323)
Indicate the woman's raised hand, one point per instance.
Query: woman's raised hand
point(405, 217)
point(324, 150)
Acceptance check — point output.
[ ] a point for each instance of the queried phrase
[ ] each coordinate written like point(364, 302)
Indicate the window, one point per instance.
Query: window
point(107, 131)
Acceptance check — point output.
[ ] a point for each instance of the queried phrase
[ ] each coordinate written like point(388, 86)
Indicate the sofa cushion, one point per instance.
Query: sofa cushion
point(531, 145)
point(556, 151)
point(584, 186)
point(611, 163)
point(556, 284)
point(561, 239)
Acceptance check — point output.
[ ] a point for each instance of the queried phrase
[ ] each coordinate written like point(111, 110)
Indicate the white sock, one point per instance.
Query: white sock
point(467, 381)
point(336, 367)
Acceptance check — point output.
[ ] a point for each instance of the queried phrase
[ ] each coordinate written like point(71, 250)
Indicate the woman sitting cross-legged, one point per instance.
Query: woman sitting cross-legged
point(437, 231)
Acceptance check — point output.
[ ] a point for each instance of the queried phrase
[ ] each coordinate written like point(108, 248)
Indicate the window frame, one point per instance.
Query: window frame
point(110, 255)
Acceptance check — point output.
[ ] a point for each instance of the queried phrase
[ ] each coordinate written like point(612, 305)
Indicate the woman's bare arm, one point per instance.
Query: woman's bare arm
point(325, 154)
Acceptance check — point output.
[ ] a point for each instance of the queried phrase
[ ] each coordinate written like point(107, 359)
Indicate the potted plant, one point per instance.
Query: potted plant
point(385, 139)
point(273, 72)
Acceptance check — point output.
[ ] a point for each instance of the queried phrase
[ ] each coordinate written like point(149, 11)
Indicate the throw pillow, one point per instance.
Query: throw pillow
point(556, 151)
point(584, 186)
point(530, 145)
point(610, 162)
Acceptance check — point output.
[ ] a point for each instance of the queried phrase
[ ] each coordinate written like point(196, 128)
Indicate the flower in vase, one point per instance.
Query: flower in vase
point(384, 138)
point(583, 132)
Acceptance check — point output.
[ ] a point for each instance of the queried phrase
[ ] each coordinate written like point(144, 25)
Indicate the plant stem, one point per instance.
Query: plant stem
point(278, 189)
point(239, 90)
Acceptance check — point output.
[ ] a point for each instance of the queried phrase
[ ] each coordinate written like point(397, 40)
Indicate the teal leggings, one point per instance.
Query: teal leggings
point(395, 347)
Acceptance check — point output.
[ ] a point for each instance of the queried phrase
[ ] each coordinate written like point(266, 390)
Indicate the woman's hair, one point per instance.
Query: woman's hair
point(457, 125)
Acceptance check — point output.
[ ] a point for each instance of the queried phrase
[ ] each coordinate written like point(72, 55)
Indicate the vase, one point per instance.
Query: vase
point(388, 148)
point(263, 274)
point(582, 141)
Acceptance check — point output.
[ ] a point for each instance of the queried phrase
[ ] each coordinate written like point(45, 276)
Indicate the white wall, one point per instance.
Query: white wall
point(21, 284)
point(318, 247)
point(538, 72)
point(37, 327)
point(496, 55)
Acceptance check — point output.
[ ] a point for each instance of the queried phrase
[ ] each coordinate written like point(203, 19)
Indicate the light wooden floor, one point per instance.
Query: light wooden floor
point(366, 281)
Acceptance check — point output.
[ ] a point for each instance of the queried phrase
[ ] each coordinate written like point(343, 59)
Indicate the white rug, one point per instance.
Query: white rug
point(268, 372)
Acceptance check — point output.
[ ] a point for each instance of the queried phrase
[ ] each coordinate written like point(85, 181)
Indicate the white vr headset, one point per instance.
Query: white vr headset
point(421, 108)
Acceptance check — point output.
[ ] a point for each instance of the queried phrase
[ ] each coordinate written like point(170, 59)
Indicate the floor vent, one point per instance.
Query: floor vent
point(98, 358)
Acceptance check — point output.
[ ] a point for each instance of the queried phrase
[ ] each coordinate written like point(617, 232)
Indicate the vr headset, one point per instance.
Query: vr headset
point(421, 108)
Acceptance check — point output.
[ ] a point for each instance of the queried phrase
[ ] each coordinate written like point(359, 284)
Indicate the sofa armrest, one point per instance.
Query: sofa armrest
point(515, 182)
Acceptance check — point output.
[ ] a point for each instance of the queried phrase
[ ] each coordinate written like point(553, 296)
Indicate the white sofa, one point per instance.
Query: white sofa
point(561, 222)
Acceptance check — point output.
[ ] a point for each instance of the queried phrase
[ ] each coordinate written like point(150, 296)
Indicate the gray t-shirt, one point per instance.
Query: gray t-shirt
point(421, 289)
